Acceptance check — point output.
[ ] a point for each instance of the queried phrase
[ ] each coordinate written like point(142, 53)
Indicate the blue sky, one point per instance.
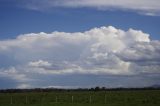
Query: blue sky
point(16, 20)
point(79, 43)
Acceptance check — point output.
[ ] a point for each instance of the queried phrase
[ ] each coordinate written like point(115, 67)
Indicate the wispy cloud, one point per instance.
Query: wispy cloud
point(147, 7)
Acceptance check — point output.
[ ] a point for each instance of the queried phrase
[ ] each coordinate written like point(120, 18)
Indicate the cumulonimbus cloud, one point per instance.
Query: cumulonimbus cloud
point(148, 7)
point(104, 50)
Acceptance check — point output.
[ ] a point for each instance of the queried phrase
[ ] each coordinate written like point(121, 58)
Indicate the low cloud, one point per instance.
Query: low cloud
point(99, 51)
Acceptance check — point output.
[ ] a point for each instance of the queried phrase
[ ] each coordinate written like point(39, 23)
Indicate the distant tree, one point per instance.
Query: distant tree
point(91, 89)
point(97, 88)
point(103, 88)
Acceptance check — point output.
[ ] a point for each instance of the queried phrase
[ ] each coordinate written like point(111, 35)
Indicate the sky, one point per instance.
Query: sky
point(79, 43)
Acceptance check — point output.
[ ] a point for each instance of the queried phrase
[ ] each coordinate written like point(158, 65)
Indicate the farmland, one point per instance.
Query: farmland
point(82, 98)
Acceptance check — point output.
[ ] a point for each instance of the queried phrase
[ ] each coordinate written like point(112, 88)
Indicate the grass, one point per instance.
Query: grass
point(82, 98)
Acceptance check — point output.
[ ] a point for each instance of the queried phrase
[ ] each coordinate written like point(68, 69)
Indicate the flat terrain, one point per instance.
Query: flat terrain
point(82, 98)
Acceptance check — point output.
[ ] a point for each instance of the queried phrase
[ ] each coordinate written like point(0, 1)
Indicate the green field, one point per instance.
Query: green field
point(82, 98)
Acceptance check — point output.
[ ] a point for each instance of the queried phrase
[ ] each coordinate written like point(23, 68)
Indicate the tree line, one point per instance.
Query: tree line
point(95, 89)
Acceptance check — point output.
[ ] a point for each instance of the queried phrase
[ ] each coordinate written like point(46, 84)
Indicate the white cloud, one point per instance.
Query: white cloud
point(40, 63)
point(39, 59)
point(63, 87)
point(99, 51)
point(24, 86)
point(148, 7)
point(14, 74)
